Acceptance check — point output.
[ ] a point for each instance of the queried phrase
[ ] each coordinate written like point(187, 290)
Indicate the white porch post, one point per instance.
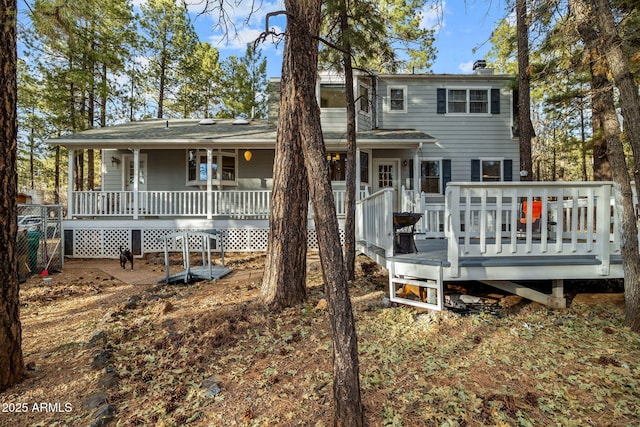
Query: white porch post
point(136, 181)
point(72, 154)
point(358, 174)
point(416, 172)
point(209, 184)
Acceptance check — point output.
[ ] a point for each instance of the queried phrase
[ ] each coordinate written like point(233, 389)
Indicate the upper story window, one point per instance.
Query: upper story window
point(468, 101)
point(364, 99)
point(457, 101)
point(471, 101)
point(397, 99)
point(478, 101)
point(332, 96)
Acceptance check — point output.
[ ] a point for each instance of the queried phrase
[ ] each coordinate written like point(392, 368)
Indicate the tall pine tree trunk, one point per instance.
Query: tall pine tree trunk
point(351, 190)
point(11, 361)
point(524, 90)
point(624, 198)
point(601, 165)
point(304, 18)
point(630, 108)
point(284, 279)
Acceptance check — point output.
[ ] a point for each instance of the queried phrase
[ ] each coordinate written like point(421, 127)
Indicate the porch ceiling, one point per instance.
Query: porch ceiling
point(188, 133)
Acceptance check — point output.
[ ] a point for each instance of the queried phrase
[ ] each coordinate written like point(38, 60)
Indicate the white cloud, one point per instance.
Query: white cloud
point(432, 16)
point(466, 67)
point(239, 40)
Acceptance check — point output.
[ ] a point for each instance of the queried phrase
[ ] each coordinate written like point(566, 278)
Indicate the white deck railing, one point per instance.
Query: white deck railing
point(246, 204)
point(487, 220)
point(483, 220)
point(374, 221)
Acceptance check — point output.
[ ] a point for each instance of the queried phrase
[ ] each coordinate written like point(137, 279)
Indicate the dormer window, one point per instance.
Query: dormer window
point(332, 96)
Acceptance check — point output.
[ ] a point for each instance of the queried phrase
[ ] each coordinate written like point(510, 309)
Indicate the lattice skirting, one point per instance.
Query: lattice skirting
point(105, 242)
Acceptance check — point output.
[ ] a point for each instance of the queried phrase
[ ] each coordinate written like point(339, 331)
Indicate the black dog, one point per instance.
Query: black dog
point(125, 256)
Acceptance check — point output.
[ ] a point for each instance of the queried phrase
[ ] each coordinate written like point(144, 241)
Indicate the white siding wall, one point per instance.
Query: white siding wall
point(333, 119)
point(460, 137)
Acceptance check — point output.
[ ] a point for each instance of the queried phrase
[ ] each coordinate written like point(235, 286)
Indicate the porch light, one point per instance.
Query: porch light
point(248, 155)
point(115, 161)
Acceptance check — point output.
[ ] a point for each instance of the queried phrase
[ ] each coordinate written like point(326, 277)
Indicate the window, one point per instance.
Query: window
point(364, 99)
point(491, 170)
point(478, 101)
point(364, 167)
point(337, 165)
point(332, 96)
point(430, 175)
point(457, 101)
point(223, 161)
point(397, 99)
point(469, 101)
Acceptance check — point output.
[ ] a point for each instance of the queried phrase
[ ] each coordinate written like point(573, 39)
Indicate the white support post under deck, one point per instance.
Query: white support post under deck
point(71, 158)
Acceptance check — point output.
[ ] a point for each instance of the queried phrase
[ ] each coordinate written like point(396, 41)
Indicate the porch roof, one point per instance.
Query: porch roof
point(189, 133)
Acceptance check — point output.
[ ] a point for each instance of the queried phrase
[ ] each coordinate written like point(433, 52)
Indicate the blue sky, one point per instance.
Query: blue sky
point(461, 26)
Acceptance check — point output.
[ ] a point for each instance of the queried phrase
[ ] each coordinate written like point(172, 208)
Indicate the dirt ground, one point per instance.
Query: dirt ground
point(106, 346)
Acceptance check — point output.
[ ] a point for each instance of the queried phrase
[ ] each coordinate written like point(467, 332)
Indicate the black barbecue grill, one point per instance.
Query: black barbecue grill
point(404, 229)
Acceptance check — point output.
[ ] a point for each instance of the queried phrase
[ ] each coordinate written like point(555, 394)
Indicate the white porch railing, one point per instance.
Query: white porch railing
point(246, 204)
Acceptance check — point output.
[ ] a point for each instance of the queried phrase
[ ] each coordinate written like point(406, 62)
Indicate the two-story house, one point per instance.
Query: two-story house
point(415, 131)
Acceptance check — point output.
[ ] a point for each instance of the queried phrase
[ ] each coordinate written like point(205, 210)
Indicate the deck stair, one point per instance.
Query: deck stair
point(425, 291)
point(207, 241)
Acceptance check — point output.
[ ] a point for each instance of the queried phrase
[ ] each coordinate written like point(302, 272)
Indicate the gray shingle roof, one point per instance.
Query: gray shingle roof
point(170, 133)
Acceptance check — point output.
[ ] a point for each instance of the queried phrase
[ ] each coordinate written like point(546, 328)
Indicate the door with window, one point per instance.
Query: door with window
point(128, 171)
point(385, 175)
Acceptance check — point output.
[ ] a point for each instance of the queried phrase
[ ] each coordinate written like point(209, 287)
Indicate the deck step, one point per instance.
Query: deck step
point(424, 292)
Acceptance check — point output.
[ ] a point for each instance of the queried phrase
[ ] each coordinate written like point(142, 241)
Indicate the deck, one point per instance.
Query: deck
point(481, 233)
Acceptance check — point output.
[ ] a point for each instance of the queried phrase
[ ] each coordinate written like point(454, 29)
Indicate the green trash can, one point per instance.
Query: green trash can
point(33, 244)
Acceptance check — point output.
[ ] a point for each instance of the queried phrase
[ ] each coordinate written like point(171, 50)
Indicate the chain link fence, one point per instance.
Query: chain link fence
point(40, 245)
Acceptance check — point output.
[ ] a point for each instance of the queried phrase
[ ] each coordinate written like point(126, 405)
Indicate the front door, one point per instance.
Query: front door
point(129, 173)
point(385, 175)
